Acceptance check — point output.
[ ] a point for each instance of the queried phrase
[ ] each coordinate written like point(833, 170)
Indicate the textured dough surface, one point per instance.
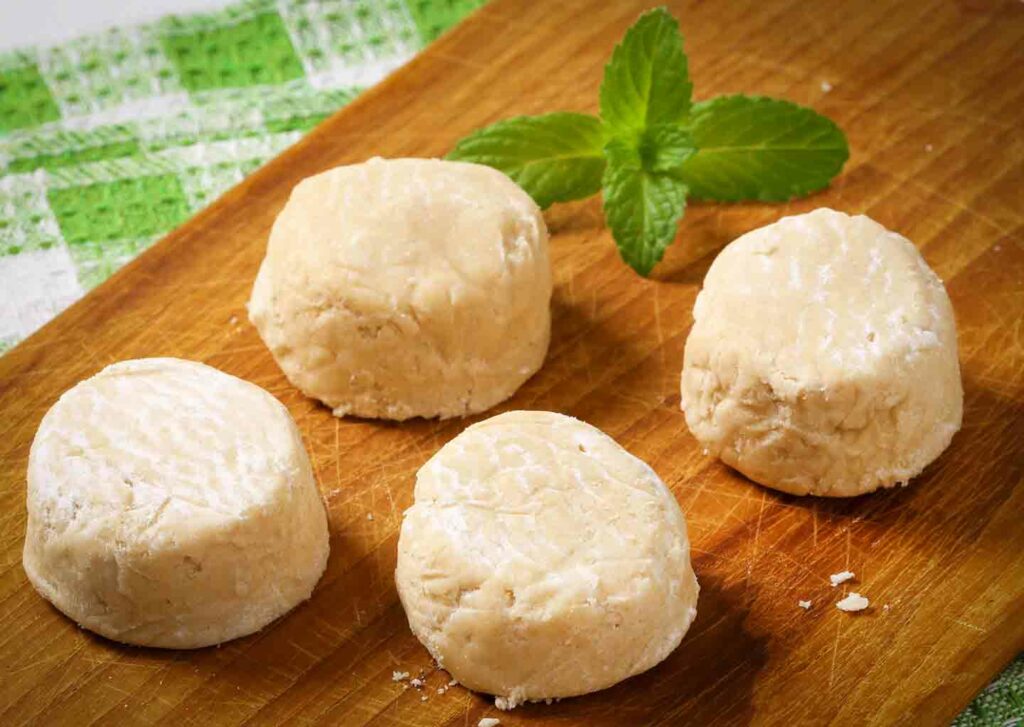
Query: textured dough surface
point(172, 505)
point(823, 357)
point(406, 287)
point(541, 560)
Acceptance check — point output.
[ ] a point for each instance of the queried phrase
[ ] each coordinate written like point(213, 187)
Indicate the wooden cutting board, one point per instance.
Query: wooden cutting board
point(931, 94)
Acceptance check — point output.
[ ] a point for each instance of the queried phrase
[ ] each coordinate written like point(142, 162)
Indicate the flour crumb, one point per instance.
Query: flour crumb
point(885, 607)
point(369, 516)
point(826, 86)
point(488, 722)
point(842, 577)
point(453, 683)
point(423, 698)
point(397, 676)
point(506, 703)
point(805, 605)
point(417, 683)
point(442, 690)
point(853, 602)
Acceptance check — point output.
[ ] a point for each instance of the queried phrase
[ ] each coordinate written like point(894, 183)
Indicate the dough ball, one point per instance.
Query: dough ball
point(823, 357)
point(406, 287)
point(541, 560)
point(172, 505)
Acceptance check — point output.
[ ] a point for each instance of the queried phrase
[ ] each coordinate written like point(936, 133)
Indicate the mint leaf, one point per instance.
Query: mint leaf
point(647, 81)
point(756, 148)
point(642, 208)
point(665, 147)
point(554, 157)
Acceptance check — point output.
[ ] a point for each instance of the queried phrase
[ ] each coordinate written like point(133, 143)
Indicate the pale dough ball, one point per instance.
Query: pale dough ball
point(406, 287)
point(172, 505)
point(541, 560)
point(823, 357)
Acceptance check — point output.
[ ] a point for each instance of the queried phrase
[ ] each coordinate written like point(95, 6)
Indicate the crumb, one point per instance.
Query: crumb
point(885, 607)
point(805, 605)
point(423, 698)
point(853, 602)
point(838, 578)
point(442, 690)
point(369, 516)
point(233, 320)
point(505, 703)
point(397, 676)
point(488, 722)
point(826, 86)
point(453, 683)
point(928, 147)
point(416, 682)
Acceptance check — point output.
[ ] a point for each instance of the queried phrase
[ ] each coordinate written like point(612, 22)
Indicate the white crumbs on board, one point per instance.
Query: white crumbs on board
point(488, 722)
point(853, 602)
point(841, 577)
point(805, 605)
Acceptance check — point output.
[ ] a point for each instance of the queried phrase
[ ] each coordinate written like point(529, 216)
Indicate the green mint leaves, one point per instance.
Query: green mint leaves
point(642, 207)
point(554, 157)
point(651, 146)
point(646, 82)
point(753, 147)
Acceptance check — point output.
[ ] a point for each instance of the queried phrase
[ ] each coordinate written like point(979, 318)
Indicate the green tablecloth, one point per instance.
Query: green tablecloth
point(109, 141)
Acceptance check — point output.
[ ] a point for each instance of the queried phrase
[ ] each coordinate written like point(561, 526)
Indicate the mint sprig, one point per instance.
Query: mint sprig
point(651, 146)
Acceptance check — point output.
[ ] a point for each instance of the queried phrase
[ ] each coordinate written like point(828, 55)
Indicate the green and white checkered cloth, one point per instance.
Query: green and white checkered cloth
point(111, 140)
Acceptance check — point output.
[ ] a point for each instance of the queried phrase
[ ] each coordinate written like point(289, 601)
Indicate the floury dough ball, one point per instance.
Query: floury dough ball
point(406, 287)
point(542, 560)
point(823, 357)
point(172, 505)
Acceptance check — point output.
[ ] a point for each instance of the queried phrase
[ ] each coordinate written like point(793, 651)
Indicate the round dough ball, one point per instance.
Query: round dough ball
point(172, 505)
point(542, 560)
point(823, 357)
point(406, 287)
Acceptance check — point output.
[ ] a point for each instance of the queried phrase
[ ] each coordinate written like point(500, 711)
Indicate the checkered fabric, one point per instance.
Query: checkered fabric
point(111, 140)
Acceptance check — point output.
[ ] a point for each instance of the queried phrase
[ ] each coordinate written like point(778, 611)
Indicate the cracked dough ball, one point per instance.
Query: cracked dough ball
point(823, 357)
point(540, 560)
point(406, 287)
point(172, 505)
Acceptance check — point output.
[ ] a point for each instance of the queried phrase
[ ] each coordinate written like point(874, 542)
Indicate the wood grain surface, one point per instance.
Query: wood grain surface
point(931, 94)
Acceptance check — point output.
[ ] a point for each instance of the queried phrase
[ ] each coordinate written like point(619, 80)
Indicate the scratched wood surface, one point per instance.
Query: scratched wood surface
point(932, 96)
